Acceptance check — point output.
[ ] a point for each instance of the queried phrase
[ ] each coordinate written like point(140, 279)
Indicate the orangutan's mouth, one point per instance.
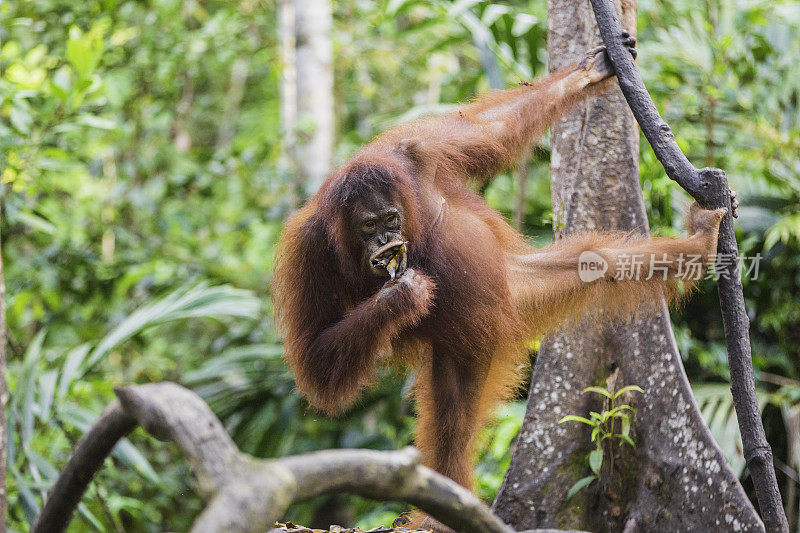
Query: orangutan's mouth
point(390, 258)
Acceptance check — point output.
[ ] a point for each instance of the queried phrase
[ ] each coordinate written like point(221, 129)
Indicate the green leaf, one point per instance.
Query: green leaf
point(61, 84)
point(492, 13)
point(576, 418)
point(200, 300)
point(579, 485)
point(394, 6)
point(523, 22)
point(629, 388)
point(81, 418)
point(47, 386)
point(44, 466)
point(596, 460)
point(89, 517)
point(79, 52)
point(618, 409)
point(26, 387)
point(597, 390)
point(130, 455)
point(20, 119)
point(232, 360)
point(84, 51)
point(617, 414)
point(27, 500)
point(34, 221)
point(626, 426)
point(68, 372)
point(627, 439)
point(504, 434)
point(94, 121)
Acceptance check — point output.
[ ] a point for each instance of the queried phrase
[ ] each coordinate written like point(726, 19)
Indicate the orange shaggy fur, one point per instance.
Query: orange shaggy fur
point(475, 292)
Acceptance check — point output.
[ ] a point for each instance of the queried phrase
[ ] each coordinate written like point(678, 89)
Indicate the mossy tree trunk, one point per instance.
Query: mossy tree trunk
point(677, 478)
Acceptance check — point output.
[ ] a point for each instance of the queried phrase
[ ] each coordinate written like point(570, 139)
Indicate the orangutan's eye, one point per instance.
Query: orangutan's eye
point(392, 220)
point(368, 226)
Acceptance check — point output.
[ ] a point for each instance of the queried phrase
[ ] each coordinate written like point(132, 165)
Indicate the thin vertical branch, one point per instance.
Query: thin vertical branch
point(522, 188)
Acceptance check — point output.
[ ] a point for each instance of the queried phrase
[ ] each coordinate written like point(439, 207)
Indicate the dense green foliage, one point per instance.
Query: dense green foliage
point(129, 216)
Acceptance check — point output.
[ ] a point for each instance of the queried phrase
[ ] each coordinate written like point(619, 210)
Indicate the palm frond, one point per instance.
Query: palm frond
point(716, 405)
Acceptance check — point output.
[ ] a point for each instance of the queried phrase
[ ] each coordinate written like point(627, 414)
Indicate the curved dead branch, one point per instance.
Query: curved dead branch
point(89, 455)
point(247, 494)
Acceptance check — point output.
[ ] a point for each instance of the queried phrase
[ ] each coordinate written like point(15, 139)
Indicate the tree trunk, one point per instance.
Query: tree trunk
point(233, 101)
point(286, 29)
point(677, 478)
point(3, 398)
point(314, 52)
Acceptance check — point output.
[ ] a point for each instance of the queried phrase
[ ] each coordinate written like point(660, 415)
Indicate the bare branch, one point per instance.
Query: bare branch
point(171, 412)
point(709, 186)
point(248, 494)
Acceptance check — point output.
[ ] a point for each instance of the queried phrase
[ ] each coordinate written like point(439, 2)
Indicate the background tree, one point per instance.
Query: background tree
point(288, 42)
point(314, 71)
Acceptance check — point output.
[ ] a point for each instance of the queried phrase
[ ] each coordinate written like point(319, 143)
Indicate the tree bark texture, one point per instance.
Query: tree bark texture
point(314, 70)
point(677, 478)
point(709, 186)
